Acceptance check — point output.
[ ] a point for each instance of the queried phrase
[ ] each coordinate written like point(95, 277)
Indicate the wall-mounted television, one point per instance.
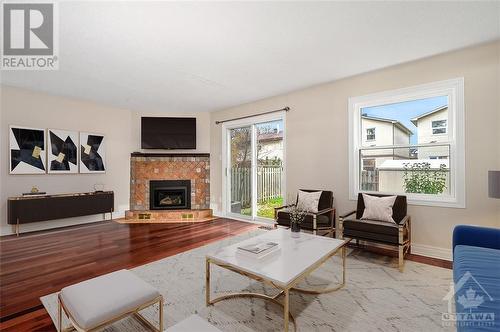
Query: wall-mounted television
point(168, 133)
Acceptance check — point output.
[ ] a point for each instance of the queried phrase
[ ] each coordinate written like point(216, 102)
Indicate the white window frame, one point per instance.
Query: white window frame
point(454, 90)
point(445, 127)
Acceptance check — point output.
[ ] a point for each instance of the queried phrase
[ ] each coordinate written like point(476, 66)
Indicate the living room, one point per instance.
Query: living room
point(360, 139)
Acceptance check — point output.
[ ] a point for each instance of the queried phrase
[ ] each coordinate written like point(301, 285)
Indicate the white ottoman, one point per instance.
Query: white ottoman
point(97, 302)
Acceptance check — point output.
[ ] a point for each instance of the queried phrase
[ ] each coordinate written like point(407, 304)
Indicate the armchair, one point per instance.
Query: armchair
point(399, 234)
point(323, 220)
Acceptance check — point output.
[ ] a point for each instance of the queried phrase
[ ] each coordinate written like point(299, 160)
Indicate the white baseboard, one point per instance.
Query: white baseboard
point(219, 214)
point(418, 249)
point(216, 213)
point(431, 251)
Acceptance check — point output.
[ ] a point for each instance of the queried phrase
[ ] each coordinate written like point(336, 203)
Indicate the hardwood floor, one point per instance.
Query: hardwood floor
point(38, 264)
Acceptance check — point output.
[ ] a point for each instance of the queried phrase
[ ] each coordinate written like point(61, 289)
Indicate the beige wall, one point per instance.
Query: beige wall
point(317, 136)
point(31, 109)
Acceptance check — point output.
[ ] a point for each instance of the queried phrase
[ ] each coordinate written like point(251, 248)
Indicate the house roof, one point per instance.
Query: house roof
point(440, 108)
point(276, 136)
point(395, 122)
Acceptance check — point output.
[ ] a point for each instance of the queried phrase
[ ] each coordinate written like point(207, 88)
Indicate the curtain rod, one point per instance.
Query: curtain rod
point(286, 109)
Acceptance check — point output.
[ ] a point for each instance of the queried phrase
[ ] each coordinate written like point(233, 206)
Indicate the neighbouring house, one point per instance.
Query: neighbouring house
point(270, 146)
point(377, 131)
point(382, 132)
point(433, 128)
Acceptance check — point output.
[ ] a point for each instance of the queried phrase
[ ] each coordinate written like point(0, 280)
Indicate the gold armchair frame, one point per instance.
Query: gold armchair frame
point(315, 229)
point(404, 245)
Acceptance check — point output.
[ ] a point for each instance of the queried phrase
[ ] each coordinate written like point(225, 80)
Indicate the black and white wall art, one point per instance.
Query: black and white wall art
point(62, 151)
point(27, 150)
point(92, 153)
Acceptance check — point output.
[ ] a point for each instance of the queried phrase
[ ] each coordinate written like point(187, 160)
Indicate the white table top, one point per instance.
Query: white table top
point(295, 256)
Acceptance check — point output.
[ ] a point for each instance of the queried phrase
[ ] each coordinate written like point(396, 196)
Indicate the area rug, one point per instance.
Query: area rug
point(377, 297)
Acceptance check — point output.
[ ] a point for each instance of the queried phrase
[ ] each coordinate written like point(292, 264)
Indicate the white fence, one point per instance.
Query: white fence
point(268, 184)
point(370, 180)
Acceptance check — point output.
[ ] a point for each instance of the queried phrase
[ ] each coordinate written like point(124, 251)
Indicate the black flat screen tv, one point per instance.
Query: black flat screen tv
point(168, 133)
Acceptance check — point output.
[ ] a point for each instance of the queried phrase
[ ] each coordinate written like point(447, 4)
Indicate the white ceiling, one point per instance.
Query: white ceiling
point(205, 56)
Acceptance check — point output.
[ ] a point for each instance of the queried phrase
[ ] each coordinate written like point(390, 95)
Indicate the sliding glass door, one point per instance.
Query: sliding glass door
point(254, 167)
point(240, 170)
point(269, 167)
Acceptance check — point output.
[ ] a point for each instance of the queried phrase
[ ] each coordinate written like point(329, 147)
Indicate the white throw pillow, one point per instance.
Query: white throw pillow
point(378, 208)
point(309, 201)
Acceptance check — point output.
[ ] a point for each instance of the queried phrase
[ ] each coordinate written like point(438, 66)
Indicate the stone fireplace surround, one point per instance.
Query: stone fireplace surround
point(169, 166)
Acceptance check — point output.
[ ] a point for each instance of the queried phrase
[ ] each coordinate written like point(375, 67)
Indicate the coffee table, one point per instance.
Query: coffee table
point(284, 269)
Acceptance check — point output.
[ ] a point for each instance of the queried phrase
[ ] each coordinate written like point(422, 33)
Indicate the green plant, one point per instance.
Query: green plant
point(265, 209)
point(296, 215)
point(420, 178)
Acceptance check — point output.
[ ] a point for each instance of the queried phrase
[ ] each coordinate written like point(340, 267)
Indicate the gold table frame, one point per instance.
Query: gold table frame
point(284, 289)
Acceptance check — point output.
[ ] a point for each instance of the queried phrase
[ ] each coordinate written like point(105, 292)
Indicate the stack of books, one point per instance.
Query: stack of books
point(259, 249)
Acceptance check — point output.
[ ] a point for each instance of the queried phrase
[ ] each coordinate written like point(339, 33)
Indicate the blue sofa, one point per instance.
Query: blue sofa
point(476, 273)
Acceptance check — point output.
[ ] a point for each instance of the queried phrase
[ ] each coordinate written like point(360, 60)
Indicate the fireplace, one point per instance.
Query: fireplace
point(169, 194)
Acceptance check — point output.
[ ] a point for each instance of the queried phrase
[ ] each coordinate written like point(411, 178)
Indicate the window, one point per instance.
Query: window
point(419, 151)
point(369, 164)
point(370, 134)
point(438, 127)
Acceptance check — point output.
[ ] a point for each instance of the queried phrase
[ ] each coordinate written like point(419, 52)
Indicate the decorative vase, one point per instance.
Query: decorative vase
point(296, 217)
point(295, 229)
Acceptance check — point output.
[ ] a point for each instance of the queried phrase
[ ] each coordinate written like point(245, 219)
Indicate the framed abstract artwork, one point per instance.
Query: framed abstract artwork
point(27, 154)
point(62, 151)
point(92, 153)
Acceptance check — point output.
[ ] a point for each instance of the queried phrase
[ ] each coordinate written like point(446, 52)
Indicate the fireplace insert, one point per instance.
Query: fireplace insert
point(169, 194)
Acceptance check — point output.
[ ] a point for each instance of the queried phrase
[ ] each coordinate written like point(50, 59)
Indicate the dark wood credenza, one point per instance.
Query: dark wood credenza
point(26, 209)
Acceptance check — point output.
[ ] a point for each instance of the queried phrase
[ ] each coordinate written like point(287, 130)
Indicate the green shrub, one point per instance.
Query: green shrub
point(419, 178)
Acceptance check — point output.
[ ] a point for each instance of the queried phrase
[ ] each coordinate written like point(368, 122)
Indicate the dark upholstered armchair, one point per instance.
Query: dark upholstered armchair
point(351, 226)
point(324, 220)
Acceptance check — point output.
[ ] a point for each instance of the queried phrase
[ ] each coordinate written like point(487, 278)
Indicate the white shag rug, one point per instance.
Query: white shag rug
point(376, 297)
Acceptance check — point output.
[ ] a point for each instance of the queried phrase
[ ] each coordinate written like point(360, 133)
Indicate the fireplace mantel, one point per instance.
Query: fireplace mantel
point(160, 154)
